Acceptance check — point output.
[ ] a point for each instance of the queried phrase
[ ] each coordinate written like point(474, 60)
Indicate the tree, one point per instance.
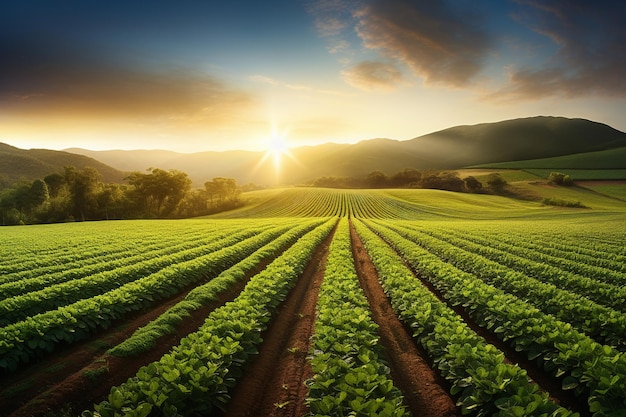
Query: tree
point(496, 183)
point(376, 179)
point(559, 178)
point(473, 185)
point(406, 177)
point(158, 193)
point(84, 186)
point(225, 189)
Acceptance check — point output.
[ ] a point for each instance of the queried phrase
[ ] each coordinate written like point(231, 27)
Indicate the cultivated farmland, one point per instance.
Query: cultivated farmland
point(320, 302)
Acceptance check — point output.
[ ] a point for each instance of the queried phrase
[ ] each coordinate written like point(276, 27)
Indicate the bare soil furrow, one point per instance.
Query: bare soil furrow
point(274, 384)
point(82, 375)
point(546, 382)
point(425, 392)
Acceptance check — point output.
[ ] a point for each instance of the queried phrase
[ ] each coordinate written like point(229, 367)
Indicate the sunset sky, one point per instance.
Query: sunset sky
point(219, 75)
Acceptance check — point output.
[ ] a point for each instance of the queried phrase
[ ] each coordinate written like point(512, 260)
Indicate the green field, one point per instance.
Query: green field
point(493, 289)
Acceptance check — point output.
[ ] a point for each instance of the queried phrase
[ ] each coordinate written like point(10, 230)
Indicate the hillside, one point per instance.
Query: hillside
point(608, 159)
point(31, 164)
point(456, 147)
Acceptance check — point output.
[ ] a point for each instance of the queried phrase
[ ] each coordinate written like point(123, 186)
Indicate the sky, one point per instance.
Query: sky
point(194, 76)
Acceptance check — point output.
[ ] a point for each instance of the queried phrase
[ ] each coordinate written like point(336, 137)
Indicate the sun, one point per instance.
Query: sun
point(277, 148)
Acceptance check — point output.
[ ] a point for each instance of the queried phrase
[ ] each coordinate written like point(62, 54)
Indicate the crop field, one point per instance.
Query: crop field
point(318, 302)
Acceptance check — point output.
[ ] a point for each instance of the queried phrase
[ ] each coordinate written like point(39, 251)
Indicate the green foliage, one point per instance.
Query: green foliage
point(562, 203)
point(482, 382)
point(196, 376)
point(588, 366)
point(559, 178)
point(350, 378)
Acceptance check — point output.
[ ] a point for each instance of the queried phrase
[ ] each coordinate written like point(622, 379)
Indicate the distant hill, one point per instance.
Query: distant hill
point(609, 159)
point(32, 164)
point(453, 148)
point(514, 140)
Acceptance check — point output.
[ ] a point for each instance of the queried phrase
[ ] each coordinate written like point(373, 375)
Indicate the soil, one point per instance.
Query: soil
point(274, 384)
point(545, 382)
point(62, 381)
point(425, 391)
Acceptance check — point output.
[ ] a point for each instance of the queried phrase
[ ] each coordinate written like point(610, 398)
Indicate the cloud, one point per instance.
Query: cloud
point(591, 51)
point(49, 77)
point(371, 75)
point(295, 87)
point(441, 44)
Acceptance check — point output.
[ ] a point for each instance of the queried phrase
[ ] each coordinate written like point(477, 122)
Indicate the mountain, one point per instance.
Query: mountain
point(32, 164)
point(456, 147)
point(514, 140)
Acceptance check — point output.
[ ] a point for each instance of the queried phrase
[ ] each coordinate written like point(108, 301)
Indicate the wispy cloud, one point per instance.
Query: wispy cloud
point(440, 44)
point(51, 77)
point(371, 76)
point(591, 51)
point(295, 87)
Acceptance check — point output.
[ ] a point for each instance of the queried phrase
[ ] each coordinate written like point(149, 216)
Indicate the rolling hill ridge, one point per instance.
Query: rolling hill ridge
point(453, 148)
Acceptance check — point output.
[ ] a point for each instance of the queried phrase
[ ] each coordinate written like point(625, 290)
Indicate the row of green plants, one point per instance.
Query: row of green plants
point(581, 364)
point(40, 334)
point(145, 338)
point(50, 297)
point(570, 256)
point(609, 274)
point(118, 254)
point(480, 377)
point(603, 293)
point(350, 376)
point(601, 323)
point(196, 376)
point(76, 245)
point(321, 202)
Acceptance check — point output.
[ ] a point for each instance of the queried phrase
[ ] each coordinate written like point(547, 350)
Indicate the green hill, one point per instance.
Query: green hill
point(453, 148)
point(600, 165)
point(32, 164)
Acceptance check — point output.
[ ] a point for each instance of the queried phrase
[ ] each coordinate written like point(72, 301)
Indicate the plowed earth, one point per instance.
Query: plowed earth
point(274, 383)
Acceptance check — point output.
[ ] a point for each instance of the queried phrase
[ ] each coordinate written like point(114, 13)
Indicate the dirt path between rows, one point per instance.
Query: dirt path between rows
point(273, 385)
point(425, 392)
point(62, 382)
point(545, 382)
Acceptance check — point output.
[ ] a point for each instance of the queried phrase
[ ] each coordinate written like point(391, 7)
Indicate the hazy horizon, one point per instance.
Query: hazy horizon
point(253, 76)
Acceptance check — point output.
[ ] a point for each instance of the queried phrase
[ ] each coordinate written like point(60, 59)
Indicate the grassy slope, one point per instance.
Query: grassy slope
point(436, 204)
point(601, 165)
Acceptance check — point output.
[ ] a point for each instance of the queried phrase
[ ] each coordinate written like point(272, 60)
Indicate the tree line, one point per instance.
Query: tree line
point(412, 178)
point(80, 195)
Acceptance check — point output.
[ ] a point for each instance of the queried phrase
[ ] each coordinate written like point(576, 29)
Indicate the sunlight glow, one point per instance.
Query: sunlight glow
point(276, 149)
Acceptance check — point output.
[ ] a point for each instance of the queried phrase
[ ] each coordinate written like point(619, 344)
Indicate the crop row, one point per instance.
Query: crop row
point(196, 376)
point(602, 293)
point(568, 255)
point(481, 379)
point(21, 341)
point(146, 337)
point(321, 202)
point(582, 364)
point(62, 246)
point(349, 374)
point(20, 307)
point(118, 257)
point(601, 323)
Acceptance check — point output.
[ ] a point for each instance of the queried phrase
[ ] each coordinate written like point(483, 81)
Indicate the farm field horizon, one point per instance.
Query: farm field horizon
point(313, 301)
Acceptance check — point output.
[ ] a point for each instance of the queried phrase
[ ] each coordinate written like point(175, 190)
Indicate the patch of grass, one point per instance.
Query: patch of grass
point(94, 374)
point(563, 203)
point(100, 345)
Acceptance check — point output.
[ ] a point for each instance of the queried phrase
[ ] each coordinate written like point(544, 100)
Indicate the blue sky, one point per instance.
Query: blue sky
point(208, 75)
